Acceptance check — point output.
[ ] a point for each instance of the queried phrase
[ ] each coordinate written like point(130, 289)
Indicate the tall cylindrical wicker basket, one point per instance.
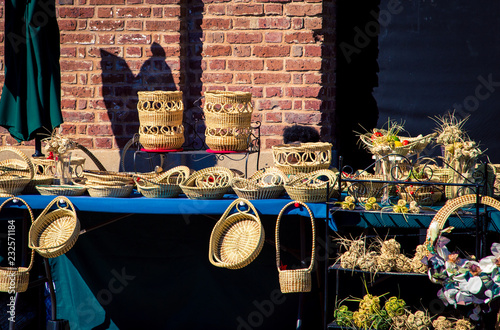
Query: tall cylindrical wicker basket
point(228, 117)
point(160, 118)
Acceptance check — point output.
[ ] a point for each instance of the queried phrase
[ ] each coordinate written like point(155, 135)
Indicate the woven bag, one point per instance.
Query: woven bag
point(55, 232)
point(237, 238)
point(295, 280)
point(160, 118)
point(16, 279)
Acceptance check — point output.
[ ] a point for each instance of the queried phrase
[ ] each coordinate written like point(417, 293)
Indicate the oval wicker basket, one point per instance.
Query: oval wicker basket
point(313, 187)
point(55, 232)
point(237, 238)
point(15, 174)
point(266, 183)
point(302, 157)
point(295, 280)
point(16, 279)
point(119, 191)
point(107, 177)
point(165, 185)
point(209, 183)
point(61, 190)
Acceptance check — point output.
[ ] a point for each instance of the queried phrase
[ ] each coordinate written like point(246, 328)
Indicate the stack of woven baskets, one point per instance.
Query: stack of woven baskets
point(160, 117)
point(228, 117)
point(108, 183)
point(15, 173)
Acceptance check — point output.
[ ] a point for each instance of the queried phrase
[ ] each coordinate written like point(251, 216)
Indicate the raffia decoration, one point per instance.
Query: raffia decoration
point(385, 263)
point(416, 263)
point(399, 322)
point(441, 323)
point(403, 264)
point(390, 247)
point(355, 250)
point(368, 262)
point(463, 324)
point(418, 321)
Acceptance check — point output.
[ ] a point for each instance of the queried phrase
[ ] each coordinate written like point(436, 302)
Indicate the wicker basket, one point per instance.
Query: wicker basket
point(160, 117)
point(16, 279)
point(295, 280)
point(264, 184)
point(228, 117)
point(61, 190)
point(55, 232)
point(313, 187)
point(165, 185)
point(208, 183)
point(119, 191)
point(15, 174)
point(423, 195)
point(44, 166)
point(107, 177)
point(302, 157)
point(237, 238)
point(415, 144)
point(369, 186)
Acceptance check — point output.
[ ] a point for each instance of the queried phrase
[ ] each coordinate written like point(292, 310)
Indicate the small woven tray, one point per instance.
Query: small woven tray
point(16, 279)
point(110, 191)
point(208, 183)
point(55, 232)
point(312, 187)
point(61, 190)
point(237, 238)
point(165, 185)
point(266, 183)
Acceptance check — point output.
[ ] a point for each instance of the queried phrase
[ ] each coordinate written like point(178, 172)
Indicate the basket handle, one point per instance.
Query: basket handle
point(31, 216)
point(313, 227)
point(58, 200)
point(235, 204)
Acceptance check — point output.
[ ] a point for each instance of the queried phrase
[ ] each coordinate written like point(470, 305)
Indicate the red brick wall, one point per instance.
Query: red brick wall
point(279, 51)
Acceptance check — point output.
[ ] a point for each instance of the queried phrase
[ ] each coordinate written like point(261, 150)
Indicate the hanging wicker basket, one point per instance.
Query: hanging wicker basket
point(55, 232)
point(295, 280)
point(302, 157)
point(228, 117)
point(16, 279)
point(165, 185)
point(208, 183)
point(237, 238)
point(160, 118)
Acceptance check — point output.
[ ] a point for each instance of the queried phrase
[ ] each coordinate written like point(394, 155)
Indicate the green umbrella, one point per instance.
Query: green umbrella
point(31, 95)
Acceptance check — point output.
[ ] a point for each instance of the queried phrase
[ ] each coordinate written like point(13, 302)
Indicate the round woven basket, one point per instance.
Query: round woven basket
point(295, 280)
point(15, 174)
point(302, 157)
point(208, 183)
point(313, 187)
point(228, 117)
point(16, 279)
point(160, 118)
point(55, 232)
point(266, 183)
point(237, 238)
point(165, 185)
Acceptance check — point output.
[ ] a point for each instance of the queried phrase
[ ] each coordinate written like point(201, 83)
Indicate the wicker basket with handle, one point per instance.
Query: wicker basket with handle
point(313, 187)
point(55, 232)
point(16, 279)
point(15, 174)
point(266, 183)
point(295, 280)
point(208, 183)
point(165, 185)
point(237, 238)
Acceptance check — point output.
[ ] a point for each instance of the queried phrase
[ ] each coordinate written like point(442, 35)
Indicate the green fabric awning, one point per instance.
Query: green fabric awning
point(31, 95)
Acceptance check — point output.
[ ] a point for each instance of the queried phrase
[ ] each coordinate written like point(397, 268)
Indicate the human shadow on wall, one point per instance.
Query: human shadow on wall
point(120, 87)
